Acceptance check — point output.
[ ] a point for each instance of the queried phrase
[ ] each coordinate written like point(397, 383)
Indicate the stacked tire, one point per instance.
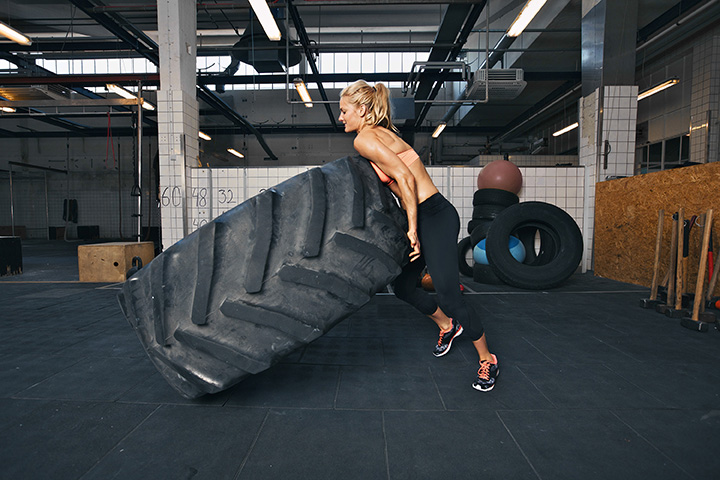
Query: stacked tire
point(488, 203)
point(550, 237)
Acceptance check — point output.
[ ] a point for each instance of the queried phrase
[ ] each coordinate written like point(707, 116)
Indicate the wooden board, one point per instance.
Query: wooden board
point(626, 213)
point(109, 262)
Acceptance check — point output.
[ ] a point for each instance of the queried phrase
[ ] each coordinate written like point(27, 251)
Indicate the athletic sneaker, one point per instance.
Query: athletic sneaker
point(487, 374)
point(446, 339)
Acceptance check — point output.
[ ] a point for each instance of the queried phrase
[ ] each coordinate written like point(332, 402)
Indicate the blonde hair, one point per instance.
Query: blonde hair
point(376, 100)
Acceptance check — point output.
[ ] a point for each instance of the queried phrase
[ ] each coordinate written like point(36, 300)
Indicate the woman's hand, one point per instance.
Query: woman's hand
point(414, 244)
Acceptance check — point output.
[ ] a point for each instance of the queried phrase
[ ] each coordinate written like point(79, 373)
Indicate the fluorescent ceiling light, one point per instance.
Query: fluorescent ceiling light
point(14, 35)
point(566, 129)
point(303, 92)
point(7, 109)
point(117, 89)
point(204, 136)
point(658, 88)
point(439, 130)
point(262, 11)
point(531, 8)
point(236, 153)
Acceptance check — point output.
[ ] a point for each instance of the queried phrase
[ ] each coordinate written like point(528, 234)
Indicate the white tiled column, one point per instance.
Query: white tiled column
point(616, 137)
point(177, 114)
point(588, 159)
point(705, 101)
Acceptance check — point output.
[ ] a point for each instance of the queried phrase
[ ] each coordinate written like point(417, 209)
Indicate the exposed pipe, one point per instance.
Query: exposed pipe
point(139, 160)
point(676, 24)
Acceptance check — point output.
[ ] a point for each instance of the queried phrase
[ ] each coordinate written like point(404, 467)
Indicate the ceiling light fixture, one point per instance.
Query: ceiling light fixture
point(14, 35)
point(303, 92)
point(531, 8)
point(7, 109)
point(658, 88)
point(566, 129)
point(117, 89)
point(236, 153)
point(204, 136)
point(262, 11)
point(438, 130)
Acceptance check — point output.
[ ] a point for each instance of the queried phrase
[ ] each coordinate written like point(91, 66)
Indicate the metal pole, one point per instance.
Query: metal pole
point(12, 205)
point(139, 160)
point(47, 213)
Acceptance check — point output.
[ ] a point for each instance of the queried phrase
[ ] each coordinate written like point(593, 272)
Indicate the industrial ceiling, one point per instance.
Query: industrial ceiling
point(548, 52)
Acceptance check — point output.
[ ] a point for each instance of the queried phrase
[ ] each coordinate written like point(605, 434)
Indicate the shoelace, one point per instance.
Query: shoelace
point(484, 370)
point(442, 335)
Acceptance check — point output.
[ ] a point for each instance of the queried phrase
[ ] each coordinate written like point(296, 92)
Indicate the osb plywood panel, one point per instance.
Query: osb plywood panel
point(626, 215)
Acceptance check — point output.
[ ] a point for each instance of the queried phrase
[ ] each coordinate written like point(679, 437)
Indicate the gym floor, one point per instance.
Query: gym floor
point(591, 386)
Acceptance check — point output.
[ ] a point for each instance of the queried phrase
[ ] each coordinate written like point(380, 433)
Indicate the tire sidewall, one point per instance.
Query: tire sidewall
point(568, 248)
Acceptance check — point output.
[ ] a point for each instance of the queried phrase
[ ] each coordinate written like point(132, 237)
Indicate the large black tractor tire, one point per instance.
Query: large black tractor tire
point(560, 249)
point(267, 277)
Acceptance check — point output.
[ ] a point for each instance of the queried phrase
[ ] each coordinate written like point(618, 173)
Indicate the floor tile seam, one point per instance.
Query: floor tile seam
point(252, 446)
point(78, 361)
point(538, 350)
point(617, 349)
point(619, 374)
point(517, 445)
point(337, 387)
point(535, 386)
point(112, 448)
point(651, 444)
point(437, 388)
point(385, 447)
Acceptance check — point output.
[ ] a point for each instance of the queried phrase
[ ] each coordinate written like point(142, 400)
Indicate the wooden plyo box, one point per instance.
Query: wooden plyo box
point(109, 262)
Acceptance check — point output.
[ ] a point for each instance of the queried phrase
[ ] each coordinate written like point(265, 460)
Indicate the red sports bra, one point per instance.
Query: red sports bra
point(408, 157)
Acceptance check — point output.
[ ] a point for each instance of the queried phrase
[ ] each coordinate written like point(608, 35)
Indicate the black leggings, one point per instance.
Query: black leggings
point(438, 228)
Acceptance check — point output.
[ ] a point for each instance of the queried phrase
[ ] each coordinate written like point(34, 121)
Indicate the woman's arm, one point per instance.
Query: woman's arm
point(370, 147)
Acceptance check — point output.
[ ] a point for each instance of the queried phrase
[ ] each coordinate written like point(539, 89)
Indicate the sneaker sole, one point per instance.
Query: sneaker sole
point(479, 387)
point(447, 350)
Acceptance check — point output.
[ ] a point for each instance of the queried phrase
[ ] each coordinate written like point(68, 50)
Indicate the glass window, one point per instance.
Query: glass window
point(113, 65)
point(655, 157)
point(88, 67)
point(408, 60)
point(685, 148)
point(395, 60)
point(101, 66)
point(354, 62)
point(341, 62)
point(126, 65)
point(672, 152)
point(326, 63)
point(368, 62)
point(62, 67)
point(382, 62)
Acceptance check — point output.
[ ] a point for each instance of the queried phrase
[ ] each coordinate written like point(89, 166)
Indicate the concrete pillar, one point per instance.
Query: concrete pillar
point(705, 101)
point(608, 109)
point(178, 118)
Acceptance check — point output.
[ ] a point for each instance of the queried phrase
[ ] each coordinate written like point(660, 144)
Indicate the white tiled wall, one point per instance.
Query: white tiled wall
point(704, 134)
point(619, 120)
point(216, 191)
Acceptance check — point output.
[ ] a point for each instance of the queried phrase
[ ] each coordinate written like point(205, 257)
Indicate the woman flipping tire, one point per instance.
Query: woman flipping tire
point(433, 223)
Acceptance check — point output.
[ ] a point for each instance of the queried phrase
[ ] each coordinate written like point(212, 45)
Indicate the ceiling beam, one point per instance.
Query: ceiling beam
point(147, 47)
point(305, 42)
point(452, 55)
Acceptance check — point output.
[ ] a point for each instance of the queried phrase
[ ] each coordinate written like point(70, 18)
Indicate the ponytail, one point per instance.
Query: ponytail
point(376, 100)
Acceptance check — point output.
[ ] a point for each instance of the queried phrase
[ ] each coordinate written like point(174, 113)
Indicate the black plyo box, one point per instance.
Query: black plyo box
point(10, 256)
